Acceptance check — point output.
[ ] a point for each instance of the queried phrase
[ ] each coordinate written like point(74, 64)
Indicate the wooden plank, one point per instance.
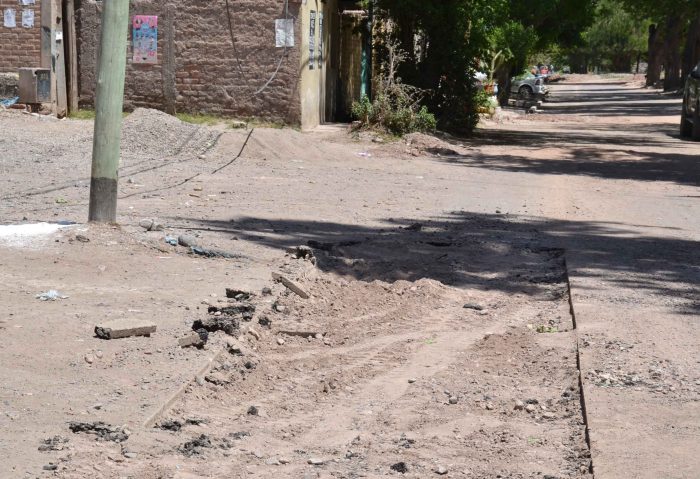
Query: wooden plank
point(291, 285)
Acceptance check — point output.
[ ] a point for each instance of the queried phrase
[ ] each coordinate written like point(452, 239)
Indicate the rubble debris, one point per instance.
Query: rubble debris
point(400, 467)
point(217, 378)
point(170, 425)
point(56, 443)
point(124, 328)
point(265, 322)
point(302, 252)
point(195, 446)
point(238, 294)
point(246, 310)
point(101, 430)
point(211, 324)
point(292, 286)
point(212, 252)
point(151, 225)
point(50, 295)
point(301, 334)
point(193, 339)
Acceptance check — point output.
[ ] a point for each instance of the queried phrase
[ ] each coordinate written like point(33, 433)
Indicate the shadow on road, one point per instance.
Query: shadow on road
point(512, 254)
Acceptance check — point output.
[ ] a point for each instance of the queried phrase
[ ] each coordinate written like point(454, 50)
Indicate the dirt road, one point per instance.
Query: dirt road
point(438, 337)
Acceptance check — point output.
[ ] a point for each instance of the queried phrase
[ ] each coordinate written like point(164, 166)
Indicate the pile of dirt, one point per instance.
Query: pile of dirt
point(152, 133)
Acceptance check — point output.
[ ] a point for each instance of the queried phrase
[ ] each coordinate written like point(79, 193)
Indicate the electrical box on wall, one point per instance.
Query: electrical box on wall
point(34, 85)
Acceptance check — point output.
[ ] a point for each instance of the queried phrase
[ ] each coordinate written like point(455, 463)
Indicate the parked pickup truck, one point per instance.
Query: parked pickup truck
point(690, 115)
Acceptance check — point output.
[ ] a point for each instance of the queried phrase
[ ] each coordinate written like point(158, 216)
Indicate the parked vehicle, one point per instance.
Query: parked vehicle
point(529, 87)
point(690, 114)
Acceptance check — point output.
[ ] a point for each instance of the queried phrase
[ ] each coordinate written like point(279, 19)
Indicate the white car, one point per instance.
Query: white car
point(529, 87)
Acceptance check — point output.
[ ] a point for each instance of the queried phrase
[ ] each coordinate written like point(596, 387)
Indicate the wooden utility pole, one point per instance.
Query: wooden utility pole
point(109, 103)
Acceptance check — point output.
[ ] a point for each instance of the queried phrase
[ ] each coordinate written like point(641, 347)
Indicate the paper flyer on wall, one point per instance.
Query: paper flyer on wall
point(28, 18)
point(10, 21)
point(284, 32)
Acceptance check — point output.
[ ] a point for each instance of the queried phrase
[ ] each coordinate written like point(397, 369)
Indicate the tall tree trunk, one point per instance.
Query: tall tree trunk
point(655, 55)
point(672, 54)
point(691, 52)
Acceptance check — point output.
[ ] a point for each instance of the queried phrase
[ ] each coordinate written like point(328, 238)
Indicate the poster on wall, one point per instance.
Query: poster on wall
point(284, 32)
point(145, 39)
point(27, 2)
point(312, 40)
point(10, 20)
point(28, 18)
point(320, 40)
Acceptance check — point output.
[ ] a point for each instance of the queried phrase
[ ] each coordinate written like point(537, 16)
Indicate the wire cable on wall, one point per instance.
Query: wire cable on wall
point(238, 59)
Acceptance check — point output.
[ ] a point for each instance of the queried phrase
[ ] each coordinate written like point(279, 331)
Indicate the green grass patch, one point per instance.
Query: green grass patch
point(200, 119)
point(88, 115)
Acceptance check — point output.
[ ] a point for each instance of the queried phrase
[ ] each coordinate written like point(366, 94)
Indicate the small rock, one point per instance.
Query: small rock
point(130, 455)
point(284, 460)
point(314, 461)
point(441, 470)
point(254, 333)
point(319, 336)
point(253, 411)
point(200, 380)
point(519, 405)
point(453, 400)
point(549, 415)
point(187, 241)
point(280, 341)
point(489, 406)
point(89, 358)
point(411, 381)
point(400, 467)
point(530, 408)
point(474, 306)
point(99, 354)
point(82, 239)
point(272, 461)
point(50, 467)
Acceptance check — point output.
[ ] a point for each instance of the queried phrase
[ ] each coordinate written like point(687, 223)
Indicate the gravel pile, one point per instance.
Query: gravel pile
point(152, 133)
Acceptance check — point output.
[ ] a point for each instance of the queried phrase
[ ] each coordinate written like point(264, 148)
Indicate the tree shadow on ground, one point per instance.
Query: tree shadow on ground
point(616, 164)
point(491, 252)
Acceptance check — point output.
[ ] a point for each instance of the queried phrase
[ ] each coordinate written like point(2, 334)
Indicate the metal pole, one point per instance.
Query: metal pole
point(109, 103)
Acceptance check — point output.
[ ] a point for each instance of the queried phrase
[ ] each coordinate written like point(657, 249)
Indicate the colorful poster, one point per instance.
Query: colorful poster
point(145, 39)
point(10, 18)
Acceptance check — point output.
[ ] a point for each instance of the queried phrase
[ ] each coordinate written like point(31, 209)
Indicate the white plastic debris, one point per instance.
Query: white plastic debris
point(21, 235)
point(51, 295)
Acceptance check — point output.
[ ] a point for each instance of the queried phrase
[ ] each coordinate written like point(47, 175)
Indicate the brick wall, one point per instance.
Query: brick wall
point(198, 70)
point(19, 46)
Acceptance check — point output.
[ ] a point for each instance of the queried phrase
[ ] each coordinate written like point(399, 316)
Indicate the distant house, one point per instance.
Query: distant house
point(299, 62)
point(288, 61)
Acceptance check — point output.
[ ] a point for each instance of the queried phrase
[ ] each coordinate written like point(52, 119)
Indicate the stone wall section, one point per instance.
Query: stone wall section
point(19, 46)
point(198, 69)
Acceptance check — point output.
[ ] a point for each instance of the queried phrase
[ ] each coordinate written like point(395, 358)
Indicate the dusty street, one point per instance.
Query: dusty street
point(521, 304)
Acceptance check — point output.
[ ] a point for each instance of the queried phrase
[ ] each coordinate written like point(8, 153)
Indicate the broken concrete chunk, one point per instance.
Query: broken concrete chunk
point(124, 328)
point(292, 286)
point(193, 339)
point(302, 252)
